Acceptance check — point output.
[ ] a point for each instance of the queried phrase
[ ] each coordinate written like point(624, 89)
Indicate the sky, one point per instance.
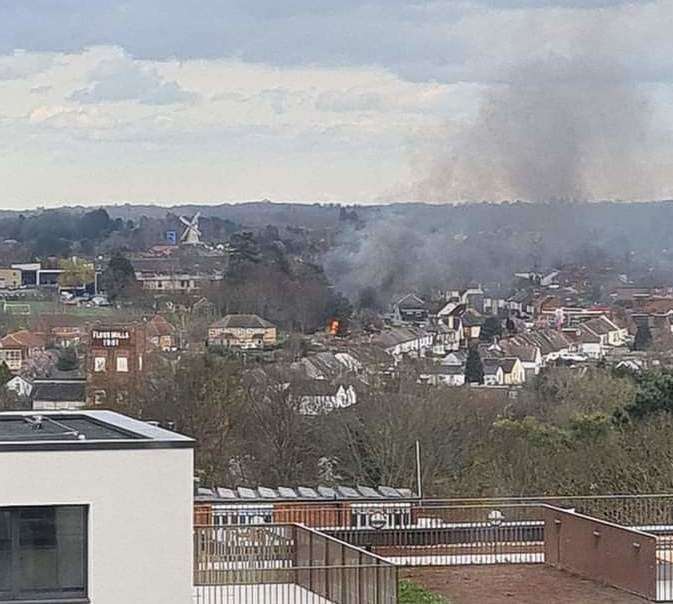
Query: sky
point(166, 101)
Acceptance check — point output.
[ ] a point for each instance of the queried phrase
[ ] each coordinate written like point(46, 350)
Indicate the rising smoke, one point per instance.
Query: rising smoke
point(554, 129)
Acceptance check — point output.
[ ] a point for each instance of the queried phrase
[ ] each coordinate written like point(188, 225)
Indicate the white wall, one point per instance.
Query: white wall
point(140, 515)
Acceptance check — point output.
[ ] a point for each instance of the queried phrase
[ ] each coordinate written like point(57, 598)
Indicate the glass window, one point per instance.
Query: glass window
point(122, 364)
point(99, 364)
point(43, 553)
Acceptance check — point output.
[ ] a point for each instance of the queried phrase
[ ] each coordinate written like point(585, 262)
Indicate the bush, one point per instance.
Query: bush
point(412, 593)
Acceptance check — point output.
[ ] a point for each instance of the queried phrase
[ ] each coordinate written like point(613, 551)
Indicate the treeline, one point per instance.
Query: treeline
point(60, 233)
point(568, 433)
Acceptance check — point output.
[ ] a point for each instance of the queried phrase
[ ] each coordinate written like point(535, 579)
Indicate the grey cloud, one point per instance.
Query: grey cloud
point(402, 35)
point(121, 79)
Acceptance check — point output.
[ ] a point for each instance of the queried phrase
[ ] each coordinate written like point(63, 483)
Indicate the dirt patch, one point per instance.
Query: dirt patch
point(514, 584)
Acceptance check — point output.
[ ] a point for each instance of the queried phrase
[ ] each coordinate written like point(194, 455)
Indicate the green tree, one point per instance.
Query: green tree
point(67, 360)
point(474, 369)
point(5, 374)
point(654, 394)
point(492, 328)
point(643, 337)
point(76, 272)
point(119, 278)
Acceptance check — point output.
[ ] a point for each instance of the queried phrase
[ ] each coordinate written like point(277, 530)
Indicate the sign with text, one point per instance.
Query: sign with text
point(111, 338)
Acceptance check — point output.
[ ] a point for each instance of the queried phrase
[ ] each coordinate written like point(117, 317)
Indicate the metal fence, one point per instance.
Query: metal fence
point(350, 556)
point(286, 564)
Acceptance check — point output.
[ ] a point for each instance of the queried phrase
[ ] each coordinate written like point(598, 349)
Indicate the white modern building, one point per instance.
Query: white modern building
point(95, 507)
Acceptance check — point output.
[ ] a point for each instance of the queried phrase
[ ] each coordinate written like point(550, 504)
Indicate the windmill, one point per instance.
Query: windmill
point(192, 234)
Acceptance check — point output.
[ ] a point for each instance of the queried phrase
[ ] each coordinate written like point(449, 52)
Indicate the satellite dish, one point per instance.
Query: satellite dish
point(192, 233)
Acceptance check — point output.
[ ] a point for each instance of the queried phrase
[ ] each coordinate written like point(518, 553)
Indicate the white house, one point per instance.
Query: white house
point(457, 358)
point(513, 371)
point(321, 396)
point(446, 375)
point(20, 385)
point(399, 341)
point(94, 507)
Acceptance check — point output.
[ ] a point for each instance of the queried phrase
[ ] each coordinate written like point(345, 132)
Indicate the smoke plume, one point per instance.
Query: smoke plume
point(554, 129)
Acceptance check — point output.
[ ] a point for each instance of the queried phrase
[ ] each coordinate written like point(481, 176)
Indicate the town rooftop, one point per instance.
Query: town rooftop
point(74, 430)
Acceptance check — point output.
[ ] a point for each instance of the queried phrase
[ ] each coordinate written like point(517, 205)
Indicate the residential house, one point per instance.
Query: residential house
point(161, 334)
point(536, 348)
point(472, 322)
point(411, 309)
point(446, 337)
point(58, 394)
point(322, 396)
point(243, 332)
point(401, 341)
point(84, 495)
point(521, 303)
point(175, 282)
point(594, 336)
point(456, 358)
point(63, 330)
point(513, 371)
point(446, 375)
point(493, 372)
point(20, 385)
point(18, 347)
point(529, 355)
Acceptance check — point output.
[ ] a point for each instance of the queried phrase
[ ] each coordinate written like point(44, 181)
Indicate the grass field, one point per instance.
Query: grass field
point(48, 307)
point(412, 593)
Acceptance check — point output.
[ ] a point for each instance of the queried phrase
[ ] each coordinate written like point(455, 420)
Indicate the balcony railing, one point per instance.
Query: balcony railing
point(286, 564)
point(349, 559)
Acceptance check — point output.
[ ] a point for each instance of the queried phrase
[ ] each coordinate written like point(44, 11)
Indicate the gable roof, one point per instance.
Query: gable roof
point(159, 326)
point(243, 322)
point(411, 301)
point(491, 365)
point(601, 326)
point(508, 364)
point(396, 335)
point(22, 339)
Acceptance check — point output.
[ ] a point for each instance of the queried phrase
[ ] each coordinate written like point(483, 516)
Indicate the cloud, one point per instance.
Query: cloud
point(350, 100)
point(419, 39)
point(19, 64)
point(121, 79)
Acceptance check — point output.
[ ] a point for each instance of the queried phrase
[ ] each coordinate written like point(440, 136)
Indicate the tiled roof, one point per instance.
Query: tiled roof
point(411, 301)
point(22, 339)
point(243, 322)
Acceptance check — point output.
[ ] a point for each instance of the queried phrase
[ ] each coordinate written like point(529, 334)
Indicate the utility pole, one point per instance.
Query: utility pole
point(419, 480)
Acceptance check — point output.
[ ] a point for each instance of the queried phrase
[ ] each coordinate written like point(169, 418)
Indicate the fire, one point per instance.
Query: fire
point(334, 327)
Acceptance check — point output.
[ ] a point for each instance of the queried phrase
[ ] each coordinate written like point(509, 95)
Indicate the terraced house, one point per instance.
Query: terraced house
point(245, 332)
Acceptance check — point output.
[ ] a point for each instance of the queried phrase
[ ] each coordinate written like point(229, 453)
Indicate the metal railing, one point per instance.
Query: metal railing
point(286, 564)
point(248, 550)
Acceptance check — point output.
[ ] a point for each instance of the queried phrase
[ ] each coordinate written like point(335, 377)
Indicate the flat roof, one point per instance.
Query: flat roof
point(75, 430)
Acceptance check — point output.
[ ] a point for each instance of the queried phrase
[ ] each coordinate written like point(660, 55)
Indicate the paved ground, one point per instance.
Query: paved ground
point(514, 584)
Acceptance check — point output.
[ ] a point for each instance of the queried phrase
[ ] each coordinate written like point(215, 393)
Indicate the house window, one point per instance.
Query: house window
point(122, 364)
point(99, 397)
point(43, 553)
point(99, 364)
